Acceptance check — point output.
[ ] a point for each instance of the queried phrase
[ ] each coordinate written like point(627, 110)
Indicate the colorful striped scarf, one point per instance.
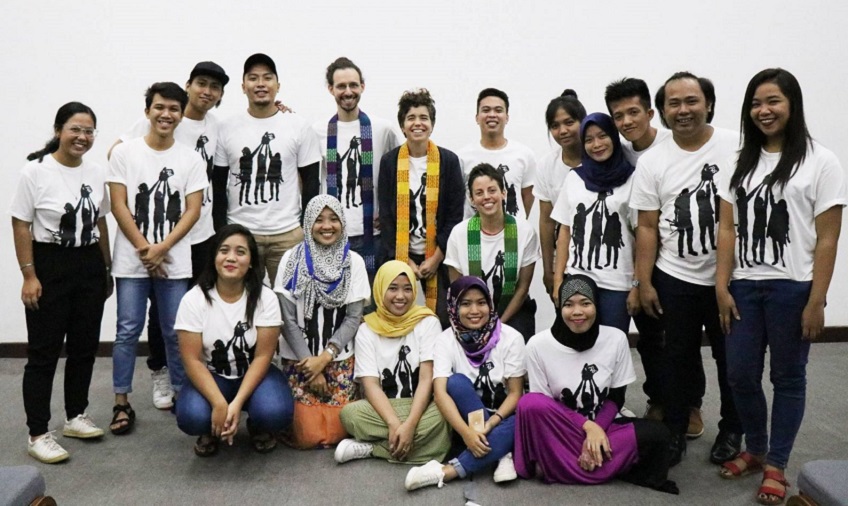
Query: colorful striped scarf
point(366, 175)
point(402, 240)
point(475, 267)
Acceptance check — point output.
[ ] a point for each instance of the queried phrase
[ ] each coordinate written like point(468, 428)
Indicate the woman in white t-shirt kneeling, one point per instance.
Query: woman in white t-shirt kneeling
point(397, 420)
point(228, 326)
point(497, 248)
point(789, 191)
point(478, 372)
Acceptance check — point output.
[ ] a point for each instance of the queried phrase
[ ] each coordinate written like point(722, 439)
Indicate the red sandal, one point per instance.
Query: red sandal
point(730, 471)
point(769, 495)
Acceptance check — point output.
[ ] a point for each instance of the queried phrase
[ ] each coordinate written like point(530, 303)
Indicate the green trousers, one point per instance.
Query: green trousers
point(432, 437)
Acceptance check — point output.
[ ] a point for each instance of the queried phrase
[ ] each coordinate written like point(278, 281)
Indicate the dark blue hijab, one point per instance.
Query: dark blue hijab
point(602, 177)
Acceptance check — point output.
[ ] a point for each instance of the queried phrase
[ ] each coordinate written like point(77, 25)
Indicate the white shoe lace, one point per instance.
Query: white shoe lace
point(161, 383)
point(85, 420)
point(49, 443)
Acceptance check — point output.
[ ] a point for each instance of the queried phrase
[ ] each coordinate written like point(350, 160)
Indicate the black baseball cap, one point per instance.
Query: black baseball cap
point(211, 69)
point(259, 59)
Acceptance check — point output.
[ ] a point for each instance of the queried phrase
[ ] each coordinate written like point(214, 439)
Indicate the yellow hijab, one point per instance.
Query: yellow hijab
point(383, 322)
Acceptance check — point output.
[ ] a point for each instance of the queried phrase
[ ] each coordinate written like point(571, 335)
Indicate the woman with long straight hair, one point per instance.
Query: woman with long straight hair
point(62, 245)
point(787, 192)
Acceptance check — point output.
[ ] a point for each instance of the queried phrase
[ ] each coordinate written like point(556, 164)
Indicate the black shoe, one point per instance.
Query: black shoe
point(677, 449)
point(726, 447)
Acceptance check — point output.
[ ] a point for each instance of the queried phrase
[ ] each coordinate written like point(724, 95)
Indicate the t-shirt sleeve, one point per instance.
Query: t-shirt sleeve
point(562, 211)
point(117, 172)
point(443, 355)
point(453, 255)
point(830, 183)
point(535, 372)
point(530, 252)
point(309, 147)
point(365, 353)
point(268, 313)
point(427, 331)
point(515, 357)
point(359, 287)
point(191, 314)
point(645, 194)
point(197, 180)
point(221, 158)
point(106, 201)
point(624, 373)
point(529, 174)
point(139, 129)
point(723, 179)
point(23, 203)
point(540, 189)
point(391, 140)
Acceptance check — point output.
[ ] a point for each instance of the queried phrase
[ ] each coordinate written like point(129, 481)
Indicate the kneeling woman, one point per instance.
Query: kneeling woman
point(322, 288)
point(566, 431)
point(479, 371)
point(228, 326)
point(397, 421)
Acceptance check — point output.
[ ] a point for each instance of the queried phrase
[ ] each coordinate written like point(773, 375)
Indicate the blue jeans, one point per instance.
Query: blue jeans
point(612, 309)
point(501, 438)
point(269, 408)
point(770, 314)
point(132, 296)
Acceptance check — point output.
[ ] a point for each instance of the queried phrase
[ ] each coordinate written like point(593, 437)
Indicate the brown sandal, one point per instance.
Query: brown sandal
point(731, 471)
point(769, 495)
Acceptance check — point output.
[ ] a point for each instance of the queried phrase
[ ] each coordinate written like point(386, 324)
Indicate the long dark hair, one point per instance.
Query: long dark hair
point(796, 137)
point(62, 116)
point(252, 282)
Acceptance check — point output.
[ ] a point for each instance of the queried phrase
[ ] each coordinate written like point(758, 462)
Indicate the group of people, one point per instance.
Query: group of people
point(305, 246)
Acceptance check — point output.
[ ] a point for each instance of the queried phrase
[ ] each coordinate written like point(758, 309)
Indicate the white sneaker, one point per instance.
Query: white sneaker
point(46, 449)
point(81, 426)
point(626, 412)
point(424, 476)
point(351, 449)
point(163, 392)
point(505, 470)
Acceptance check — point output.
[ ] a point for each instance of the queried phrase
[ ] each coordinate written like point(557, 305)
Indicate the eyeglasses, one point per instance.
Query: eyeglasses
point(88, 132)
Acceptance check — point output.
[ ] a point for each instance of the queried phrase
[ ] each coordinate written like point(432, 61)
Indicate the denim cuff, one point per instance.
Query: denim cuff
point(460, 471)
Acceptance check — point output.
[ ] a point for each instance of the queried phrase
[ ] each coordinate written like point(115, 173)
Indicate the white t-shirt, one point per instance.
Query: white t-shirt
point(580, 380)
point(776, 229)
point(550, 175)
point(633, 156)
point(263, 155)
point(325, 321)
point(229, 343)
point(157, 184)
point(62, 203)
point(506, 360)
point(202, 137)
point(602, 232)
point(515, 161)
point(418, 204)
point(350, 153)
point(491, 254)
point(681, 185)
point(395, 360)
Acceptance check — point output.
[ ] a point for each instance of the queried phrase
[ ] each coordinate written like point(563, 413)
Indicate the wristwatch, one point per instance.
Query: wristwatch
point(332, 351)
point(635, 283)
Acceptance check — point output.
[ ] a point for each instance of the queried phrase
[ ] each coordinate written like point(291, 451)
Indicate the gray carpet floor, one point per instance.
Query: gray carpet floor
point(155, 464)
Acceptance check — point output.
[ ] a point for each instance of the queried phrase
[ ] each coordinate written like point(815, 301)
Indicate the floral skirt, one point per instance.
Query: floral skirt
point(316, 421)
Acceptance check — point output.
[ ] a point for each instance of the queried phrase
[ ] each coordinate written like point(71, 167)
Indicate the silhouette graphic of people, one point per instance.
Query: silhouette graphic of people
point(200, 147)
point(403, 372)
point(778, 228)
point(264, 150)
point(682, 222)
point(174, 210)
point(596, 236)
point(578, 232)
point(413, 214)
point(511, 203)
point(496, 274)
point(240, 349)
point(68, 226)
point(705, 218)
point(220, 358)
point(158, 214)
point(142, 208)
point(485, 386)
point(352, 159)
point(613, 239)
point(389, 383)
point(422, 204)
point(275, 177)
point(591, 397)
point(742, 226)
point(90, 215)
point(759, 232)
point(245, 174)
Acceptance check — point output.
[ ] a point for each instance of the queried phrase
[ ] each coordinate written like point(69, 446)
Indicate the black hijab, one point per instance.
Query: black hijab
point(583, 285)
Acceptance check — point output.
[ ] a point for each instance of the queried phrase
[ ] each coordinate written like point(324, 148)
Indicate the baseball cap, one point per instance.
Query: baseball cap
point(211, 69)
point(259, 59)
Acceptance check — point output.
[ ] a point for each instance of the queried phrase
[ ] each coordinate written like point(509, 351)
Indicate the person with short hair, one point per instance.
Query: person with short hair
point(353, 144)
point(673, 189)
point(420, 191)
point(398, 420)
point(228, 325)
point(154, 167)
point(775, 297)
point(629, 103)
point(62, 247)
point(498, 248)
point(266, 166)
point(515, 161)
point(562, 117)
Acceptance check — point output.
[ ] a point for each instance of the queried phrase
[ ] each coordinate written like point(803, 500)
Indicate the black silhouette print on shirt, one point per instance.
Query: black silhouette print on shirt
point(418, 202)
point(511, 203)
point(66, 236)
point(200, 148)
point(402, 375)
point(351, 161)
point(606, 232)
point(497, 275)
point(492, 395)
point(706, 199)
point(269, 169)
point(320, 329)
point(588, 394)
point(242, 353)
point(770, 223)
point(162, 210)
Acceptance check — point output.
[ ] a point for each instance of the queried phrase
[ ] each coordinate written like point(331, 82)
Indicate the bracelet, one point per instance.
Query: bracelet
point(498, 415)
point(24, 266)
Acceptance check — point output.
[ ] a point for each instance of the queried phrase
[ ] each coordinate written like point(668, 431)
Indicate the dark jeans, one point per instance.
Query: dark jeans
point(687, 309)
point(770, 314)
point(73, 284)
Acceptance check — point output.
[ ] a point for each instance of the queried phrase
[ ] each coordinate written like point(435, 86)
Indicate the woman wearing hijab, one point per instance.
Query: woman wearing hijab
point(322, 288)
point(597, 234)
point(397, 420)
point(478, 374)
point(566, 431)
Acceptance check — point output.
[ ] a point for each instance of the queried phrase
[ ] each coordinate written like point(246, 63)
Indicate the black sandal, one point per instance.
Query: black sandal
point(126, 423)
point(262, 442)
point(206, 446)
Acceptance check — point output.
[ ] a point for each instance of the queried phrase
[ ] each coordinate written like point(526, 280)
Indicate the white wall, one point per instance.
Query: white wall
point(105, 54)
